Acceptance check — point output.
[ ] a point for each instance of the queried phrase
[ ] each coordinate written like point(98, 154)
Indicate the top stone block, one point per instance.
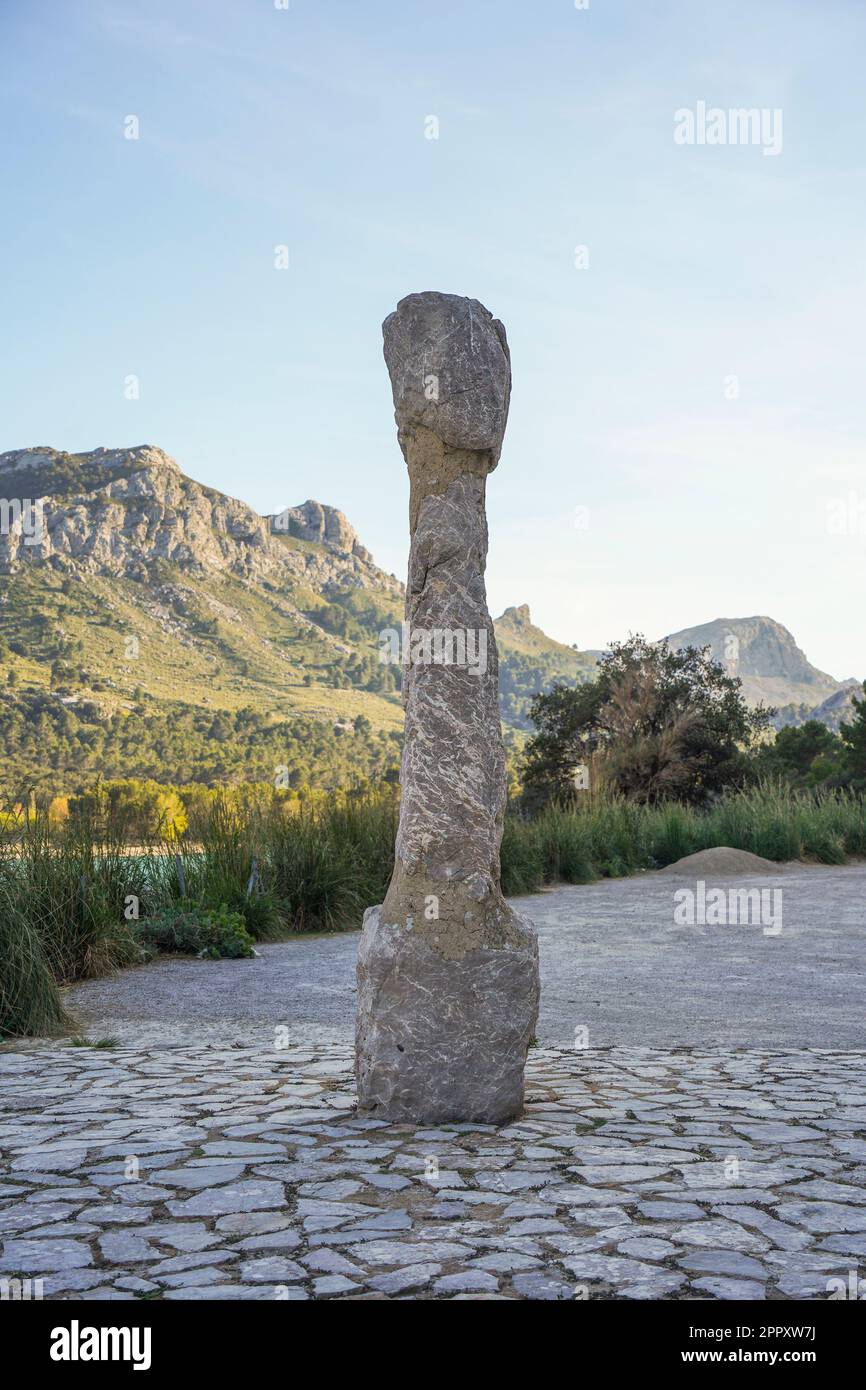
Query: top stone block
point(450, 370)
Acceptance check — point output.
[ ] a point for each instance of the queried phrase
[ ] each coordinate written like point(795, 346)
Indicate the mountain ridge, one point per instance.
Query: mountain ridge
point(765, 657)
point(134, 598)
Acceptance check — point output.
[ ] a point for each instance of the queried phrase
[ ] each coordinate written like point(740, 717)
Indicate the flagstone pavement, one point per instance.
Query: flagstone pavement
point(199, 1171)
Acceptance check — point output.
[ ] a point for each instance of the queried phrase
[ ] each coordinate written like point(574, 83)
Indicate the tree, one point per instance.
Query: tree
point(807, 753)
point(58, 809)
point(567, 723)
point(59, 675)
point(854, 739)
point(657, 724)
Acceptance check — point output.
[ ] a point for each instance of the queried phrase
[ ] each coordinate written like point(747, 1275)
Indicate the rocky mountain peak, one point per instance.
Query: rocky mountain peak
point(53, 465)
point(314, 521)
point(119, 511)
point(517, 617)
point(765, 657)
point(759, 646)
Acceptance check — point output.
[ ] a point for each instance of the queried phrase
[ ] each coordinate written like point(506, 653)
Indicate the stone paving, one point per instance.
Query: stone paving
point(202, 1172)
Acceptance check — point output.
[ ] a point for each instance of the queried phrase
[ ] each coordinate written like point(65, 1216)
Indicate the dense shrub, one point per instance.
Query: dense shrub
point(329, 863)
point(574, 844)
point(522, 856)
point(184, 928)
point(69, 885)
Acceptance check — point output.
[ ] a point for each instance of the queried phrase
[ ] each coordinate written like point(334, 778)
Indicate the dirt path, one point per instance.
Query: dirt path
point(614, 962)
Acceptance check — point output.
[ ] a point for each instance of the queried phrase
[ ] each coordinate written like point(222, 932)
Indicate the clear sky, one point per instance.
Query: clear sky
point(705, 497)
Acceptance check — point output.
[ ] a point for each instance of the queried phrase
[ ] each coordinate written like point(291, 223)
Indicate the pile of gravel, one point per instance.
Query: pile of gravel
point(722, 862)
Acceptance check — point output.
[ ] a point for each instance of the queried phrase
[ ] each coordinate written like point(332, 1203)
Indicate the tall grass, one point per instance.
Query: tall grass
point(63, 895)
point(30, 1001)
point(778, 823)
point(330, 862)
point(228, 866)
point(615, 837)
point(65, 891)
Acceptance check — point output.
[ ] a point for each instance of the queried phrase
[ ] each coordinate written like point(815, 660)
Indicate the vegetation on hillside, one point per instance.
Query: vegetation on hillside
point(64, 748)
point(530, 663)
point(209, 680)
point(66, 475)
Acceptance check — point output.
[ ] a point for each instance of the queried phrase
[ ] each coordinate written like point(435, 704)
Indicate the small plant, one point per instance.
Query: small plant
point(213, 933)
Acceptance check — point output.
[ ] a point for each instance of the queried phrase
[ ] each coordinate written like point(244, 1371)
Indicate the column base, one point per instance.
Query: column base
point(443, 1041)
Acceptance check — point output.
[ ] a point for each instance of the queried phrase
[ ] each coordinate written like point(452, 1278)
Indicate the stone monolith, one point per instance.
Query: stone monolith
point(447, 971)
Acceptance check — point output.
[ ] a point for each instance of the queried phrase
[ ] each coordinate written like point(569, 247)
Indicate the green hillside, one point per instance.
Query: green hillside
point(162, 630)
point(530, 661)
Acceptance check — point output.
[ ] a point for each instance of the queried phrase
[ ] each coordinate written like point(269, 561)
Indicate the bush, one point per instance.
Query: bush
point(229, 867)
point(214, 933)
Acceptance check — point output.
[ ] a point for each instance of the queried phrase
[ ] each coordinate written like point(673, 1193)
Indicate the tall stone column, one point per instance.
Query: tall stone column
point(447, 972)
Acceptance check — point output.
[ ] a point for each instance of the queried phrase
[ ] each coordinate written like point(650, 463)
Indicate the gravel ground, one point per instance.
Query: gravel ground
point(613, 962)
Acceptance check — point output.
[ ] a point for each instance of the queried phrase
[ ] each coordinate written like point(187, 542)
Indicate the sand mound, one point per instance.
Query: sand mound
point(722, 862)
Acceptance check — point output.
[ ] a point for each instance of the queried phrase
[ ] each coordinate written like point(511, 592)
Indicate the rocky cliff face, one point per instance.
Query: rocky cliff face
point(518, 617)
point(765, 657)
point(516, 627)
point(118, 511)
point(833, 712)
point(322, 525)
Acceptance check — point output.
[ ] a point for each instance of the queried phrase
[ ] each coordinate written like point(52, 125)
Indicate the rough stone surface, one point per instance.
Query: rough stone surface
point(443, 1040)
point(459, 343)
point(324, 525)
point(447, 971)
point(539, 1209)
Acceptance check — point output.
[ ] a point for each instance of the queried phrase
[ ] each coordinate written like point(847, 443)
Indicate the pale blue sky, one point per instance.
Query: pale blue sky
point(260, 127)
